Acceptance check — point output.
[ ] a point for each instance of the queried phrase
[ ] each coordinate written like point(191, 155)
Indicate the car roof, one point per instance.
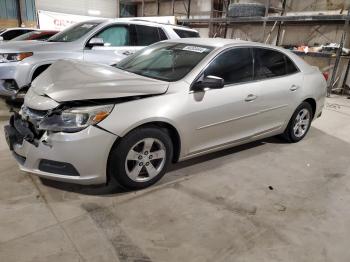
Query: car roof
point(213, 42)
point(20, 28)
point(218, 43)
point(223, 42)
point(46, 31)
point(137, 21)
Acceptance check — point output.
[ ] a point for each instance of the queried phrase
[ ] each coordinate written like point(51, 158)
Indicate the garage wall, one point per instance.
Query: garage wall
point(9, 14)
point(198, 8)
point(108, 8)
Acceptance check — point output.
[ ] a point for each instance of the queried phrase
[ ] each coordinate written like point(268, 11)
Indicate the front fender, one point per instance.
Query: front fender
point(120, 131)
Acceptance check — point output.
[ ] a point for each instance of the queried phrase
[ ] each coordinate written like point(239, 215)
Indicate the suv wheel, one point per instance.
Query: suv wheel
point(141, 158)
point(299, 124)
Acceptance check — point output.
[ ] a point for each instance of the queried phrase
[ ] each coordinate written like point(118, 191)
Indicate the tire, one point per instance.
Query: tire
point(246, 10)
point(133, 163)
point(295, 130)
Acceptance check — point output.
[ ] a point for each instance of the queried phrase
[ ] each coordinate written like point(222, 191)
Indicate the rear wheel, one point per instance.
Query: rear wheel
point(141, 158)
point(299, 124)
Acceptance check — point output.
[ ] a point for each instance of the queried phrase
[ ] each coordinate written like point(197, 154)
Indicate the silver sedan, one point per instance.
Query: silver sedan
point(174, 100)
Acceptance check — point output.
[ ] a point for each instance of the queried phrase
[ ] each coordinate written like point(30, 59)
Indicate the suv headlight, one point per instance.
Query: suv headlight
point(14, 57)
point(75, 119)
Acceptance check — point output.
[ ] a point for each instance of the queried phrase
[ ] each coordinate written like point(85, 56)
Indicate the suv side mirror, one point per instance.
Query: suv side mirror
point(96, 41)
point(212, 82)
point(1, 38)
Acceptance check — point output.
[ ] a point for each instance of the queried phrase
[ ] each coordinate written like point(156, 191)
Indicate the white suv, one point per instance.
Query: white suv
point(101, 41)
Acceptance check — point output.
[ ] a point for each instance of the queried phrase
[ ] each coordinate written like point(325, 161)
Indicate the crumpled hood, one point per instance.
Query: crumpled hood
point(71, 80)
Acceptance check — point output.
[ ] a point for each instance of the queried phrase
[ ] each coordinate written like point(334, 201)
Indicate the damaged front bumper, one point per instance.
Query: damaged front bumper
point(79, 157)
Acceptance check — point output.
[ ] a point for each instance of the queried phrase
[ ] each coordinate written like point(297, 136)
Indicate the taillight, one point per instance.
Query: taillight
point(325, 75)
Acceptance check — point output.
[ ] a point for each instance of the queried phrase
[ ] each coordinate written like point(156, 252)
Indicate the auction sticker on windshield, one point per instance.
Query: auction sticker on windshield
point(196, 49)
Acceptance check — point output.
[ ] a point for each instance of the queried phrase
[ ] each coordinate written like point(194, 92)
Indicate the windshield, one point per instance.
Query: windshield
point(165, 61)
point(73, 33)
point(24, 36)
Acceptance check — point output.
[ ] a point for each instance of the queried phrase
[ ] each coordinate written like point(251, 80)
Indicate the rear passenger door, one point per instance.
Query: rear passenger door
point(279, 82)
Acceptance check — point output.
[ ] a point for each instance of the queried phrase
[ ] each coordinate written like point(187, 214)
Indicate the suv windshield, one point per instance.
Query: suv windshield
point(24, 36)
point(165, 61)
point(73, 33)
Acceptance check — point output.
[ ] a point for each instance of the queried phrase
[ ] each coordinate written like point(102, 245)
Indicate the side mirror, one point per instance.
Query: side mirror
point(1, 38)
point(96, 41)
point(212, 82)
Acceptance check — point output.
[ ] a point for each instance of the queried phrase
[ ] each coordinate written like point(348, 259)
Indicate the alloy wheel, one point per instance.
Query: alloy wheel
point(301, 123)
point(145, 160)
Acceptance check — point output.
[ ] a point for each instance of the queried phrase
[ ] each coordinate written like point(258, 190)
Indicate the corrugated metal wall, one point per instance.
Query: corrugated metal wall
point(9, 13)
point(8, 9)
point(28, 10)
point(107, 8)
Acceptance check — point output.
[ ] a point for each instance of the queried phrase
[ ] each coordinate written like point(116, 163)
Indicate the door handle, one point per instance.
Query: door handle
point(128, 53)
point(293, 87)
point(250, 98)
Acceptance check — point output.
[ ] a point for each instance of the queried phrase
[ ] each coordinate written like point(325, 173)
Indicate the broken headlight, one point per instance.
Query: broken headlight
point(75, 119)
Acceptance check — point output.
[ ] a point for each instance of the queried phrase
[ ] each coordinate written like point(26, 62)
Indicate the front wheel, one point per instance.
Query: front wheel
point(141, 158)
point(299, 124)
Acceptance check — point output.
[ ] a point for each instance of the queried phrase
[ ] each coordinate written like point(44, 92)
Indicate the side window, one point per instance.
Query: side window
point(186, 33)
point(290, 66)
point(147, 35)
point(268, 63)
point(43, 36)
point(115, 36)
point(234, 66)
point(162, 35)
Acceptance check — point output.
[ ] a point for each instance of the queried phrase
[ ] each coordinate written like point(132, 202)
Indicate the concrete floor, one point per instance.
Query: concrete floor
point(266, 201)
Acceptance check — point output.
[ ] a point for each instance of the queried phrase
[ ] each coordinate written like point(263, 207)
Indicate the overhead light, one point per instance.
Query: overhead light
point(94, 12)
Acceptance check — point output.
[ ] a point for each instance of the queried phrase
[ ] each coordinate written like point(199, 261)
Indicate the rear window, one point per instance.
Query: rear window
point(186, 33)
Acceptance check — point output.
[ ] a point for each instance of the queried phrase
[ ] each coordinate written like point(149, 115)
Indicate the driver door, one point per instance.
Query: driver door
point(118, 43)
point(222, 116)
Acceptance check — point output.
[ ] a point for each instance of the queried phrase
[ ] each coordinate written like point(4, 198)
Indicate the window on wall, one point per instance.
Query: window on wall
point(128, 10)
point(115, 36)
point(234, 66)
